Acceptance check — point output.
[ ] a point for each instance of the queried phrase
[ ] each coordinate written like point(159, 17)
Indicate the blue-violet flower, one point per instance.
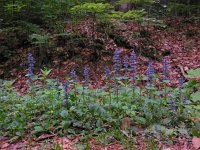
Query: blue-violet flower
point(73, 75)
point(166, 68)
point(150, 72)
point(133, 64)
point(31, 63)
point(86, 74)
point(125, 62)
point(116, 60)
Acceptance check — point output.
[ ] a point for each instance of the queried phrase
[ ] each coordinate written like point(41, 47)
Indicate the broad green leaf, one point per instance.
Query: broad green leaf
point(65, 124)
point(169, 132)
point(38, 129)
point(196, 96)
point(194, 73)
point(64, 113)
point(183, 131)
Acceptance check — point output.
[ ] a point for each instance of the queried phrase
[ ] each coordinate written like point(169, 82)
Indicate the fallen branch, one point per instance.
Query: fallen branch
point(186, 76)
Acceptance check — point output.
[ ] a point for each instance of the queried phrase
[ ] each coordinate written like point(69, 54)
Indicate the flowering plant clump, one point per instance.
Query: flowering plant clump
point(117, 61)
point(133, 64)
point(150, 73)
point(73, 75)
point(181, 81)
point(66, 92)
point(125, 62)
point(86, 74)
point(31, 63)
point(74, 108)
point(166, 69)
point(107, 73)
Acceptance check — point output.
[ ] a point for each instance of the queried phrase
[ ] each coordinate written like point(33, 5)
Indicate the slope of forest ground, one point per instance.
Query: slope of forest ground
point(179, 40)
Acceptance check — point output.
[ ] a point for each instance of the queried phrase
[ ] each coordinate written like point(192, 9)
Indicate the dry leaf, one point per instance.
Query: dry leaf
point(167, 148)
point(4, 145)
point(44, 136)
point(126, 123)
point(196, 142)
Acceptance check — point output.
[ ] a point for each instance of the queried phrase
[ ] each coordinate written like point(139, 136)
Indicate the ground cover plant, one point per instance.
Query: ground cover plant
point(128, 105)
point(99, 74)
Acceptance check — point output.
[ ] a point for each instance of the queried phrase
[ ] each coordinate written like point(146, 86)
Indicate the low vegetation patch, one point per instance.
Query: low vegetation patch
point(128, 105)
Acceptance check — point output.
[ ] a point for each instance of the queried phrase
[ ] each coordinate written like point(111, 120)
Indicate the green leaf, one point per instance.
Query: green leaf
point(197, 107)
point(169, 132)
point(196, 132)
point(166, 121)
point(125, 107)
point(140, 120)
point(65, 124)
point(183, 131)
point(64, 113)
point(195, 96)
point(39, 39)
point(194, 73)
point(38, 129)
point(99, 123)
point(192, 83)
point(91, 8)
point(134, 15)
point(159, 127)
point(45, 71)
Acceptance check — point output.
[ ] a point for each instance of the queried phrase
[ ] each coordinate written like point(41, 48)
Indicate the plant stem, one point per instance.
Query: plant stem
point(165, 97)
point(75, 93)
point(83, 93)
point(117, 92)
point(110, 97)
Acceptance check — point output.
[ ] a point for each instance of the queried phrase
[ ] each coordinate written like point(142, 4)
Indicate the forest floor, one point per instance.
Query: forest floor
point(180, 40)
point(51, 142)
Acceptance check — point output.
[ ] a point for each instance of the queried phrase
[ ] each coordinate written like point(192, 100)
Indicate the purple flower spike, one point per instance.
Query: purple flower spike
point(114, 88)
point(181, 81)
point(86, 74)
point(184, 100)
point(166, 68)
point(31, 63)
point(66, 92)
point(150, 72)
point(116, 60)
point(73, 75)
point(56, 82)
point(66, 87)
point(133, 63)
point(173, 106)
point(107, 72)
point(125, 62)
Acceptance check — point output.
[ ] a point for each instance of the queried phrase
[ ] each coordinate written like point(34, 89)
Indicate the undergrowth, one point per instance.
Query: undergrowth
point(75, 108)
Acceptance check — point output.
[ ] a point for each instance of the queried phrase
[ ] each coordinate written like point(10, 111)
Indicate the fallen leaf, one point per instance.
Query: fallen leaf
point(3, 138)
point(4, 145)
point(196, 142)
point(126, 123)
point(3, 142)
point(44, 136)
point(167, 148)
